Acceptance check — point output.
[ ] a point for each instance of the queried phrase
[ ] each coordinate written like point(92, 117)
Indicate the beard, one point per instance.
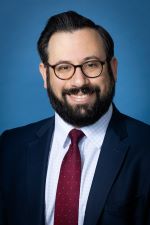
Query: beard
point(82, 114)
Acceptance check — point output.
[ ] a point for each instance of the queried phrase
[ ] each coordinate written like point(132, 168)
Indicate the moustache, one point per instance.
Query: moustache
point(84, 89)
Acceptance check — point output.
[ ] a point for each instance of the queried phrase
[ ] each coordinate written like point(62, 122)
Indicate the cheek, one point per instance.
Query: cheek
point(102, 82)
point(57, 86)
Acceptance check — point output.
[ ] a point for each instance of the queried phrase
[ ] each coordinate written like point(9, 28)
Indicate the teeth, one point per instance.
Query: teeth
point(80, 96)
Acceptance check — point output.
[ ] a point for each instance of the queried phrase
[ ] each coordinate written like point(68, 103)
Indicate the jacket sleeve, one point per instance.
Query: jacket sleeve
point(2, 211)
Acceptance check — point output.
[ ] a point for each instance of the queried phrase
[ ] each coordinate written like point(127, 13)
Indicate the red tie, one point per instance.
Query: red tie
point(68, 189)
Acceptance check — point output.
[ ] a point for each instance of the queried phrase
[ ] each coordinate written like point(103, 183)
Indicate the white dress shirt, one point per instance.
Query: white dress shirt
point(90, 147)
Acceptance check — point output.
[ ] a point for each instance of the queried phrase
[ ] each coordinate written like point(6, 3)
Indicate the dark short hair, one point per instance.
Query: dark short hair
point(71, 21)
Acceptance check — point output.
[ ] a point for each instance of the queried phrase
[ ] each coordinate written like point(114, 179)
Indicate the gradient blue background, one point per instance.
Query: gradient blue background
point(22, 96)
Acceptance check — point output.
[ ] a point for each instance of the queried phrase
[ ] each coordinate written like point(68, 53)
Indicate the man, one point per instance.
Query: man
point(103, 178)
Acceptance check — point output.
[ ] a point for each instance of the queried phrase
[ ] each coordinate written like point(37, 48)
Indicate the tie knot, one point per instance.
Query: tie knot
point(75, 136)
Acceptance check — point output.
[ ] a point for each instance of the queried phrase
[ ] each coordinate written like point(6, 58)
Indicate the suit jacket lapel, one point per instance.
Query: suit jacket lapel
point(37, 158)
point(110, 160)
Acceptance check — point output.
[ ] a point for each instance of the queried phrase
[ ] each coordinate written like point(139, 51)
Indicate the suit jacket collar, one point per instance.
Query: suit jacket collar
point(37, 159)
point(112, 154)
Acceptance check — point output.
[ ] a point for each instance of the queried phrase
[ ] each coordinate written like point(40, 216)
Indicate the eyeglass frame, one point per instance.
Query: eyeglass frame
point(75, 66)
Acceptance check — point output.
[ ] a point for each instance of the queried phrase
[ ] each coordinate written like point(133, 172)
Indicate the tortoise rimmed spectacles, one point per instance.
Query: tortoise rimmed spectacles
point(65, 70)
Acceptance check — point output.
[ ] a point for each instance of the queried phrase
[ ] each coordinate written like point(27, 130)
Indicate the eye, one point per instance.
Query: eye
point(92, 64)
point(63, 67)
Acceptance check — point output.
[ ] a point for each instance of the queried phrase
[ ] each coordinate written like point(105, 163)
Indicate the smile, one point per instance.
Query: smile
point(80, 98)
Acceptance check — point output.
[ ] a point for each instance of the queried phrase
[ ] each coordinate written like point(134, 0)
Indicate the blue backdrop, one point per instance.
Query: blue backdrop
point(22, 96)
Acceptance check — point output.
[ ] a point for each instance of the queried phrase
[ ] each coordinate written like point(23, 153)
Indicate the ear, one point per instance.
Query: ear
point(114, 66)
point(42, 70)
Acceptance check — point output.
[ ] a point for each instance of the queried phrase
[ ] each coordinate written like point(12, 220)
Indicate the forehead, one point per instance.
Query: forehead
point(75, 46)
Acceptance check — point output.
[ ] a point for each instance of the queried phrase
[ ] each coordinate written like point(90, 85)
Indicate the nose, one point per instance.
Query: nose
point(79, 79)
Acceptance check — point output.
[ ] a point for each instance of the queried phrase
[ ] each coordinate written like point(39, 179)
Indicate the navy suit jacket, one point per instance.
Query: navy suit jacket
point(120, 192)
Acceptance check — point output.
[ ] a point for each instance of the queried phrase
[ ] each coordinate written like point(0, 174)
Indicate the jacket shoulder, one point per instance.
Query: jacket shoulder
point(138, 132)
point(26, 132)
point(126, 126)
point(136, 125)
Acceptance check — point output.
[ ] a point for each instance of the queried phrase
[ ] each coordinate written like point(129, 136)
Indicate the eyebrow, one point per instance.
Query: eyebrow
point(83, 60)
point(91, 57)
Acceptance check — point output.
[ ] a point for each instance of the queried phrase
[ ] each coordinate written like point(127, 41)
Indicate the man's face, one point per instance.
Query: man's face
point(80, 100)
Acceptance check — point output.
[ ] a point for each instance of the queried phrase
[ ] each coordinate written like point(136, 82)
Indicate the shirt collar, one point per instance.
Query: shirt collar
point(95, 132)
point(62, 130)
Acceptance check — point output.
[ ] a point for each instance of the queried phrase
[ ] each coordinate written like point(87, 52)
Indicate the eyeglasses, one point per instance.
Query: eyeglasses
point(90, 69)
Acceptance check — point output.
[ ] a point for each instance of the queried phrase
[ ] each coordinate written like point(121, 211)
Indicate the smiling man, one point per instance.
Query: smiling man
point(88, 164)
point(79, 82)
